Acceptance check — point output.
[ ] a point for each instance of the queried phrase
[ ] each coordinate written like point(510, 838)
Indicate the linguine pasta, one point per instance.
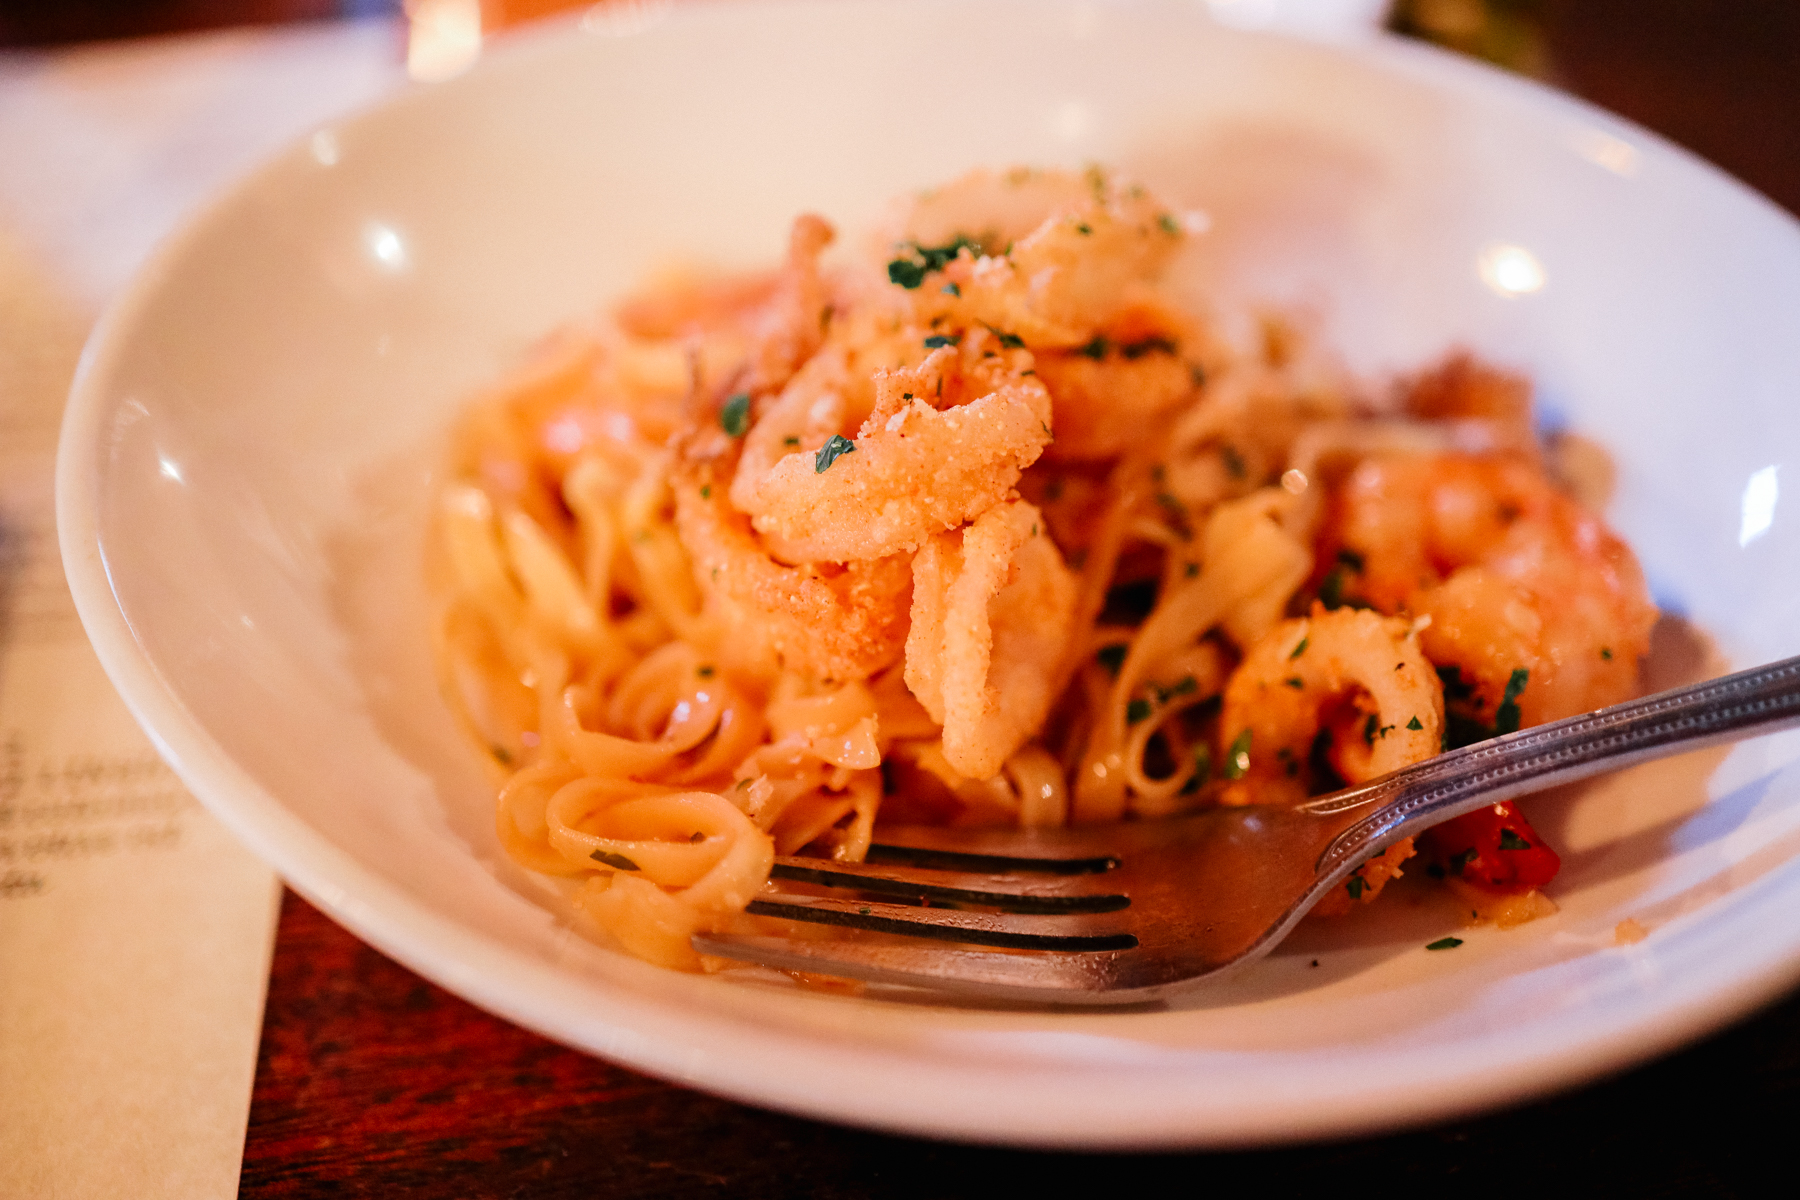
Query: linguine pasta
point(990, 530)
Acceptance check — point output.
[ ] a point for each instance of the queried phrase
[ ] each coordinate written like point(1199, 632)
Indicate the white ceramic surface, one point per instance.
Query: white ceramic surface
point(256, 425)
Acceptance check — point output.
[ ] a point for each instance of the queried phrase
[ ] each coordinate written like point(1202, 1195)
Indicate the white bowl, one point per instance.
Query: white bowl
point(256, 428)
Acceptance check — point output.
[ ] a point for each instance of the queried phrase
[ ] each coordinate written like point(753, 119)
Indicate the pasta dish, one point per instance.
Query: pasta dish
point(993, 529)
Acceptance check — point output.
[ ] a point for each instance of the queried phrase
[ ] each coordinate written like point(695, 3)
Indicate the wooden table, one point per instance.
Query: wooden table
point(372, 1082)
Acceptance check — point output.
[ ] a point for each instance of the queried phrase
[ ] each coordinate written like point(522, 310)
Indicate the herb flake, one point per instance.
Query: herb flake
point(1506, 717)
point(1237, 759)
point(734, 418)
point(618, 861)
point(835, 448)
point(1445, 943)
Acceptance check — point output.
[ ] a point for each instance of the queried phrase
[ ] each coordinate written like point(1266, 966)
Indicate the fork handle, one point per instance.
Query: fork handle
point(1761, 700)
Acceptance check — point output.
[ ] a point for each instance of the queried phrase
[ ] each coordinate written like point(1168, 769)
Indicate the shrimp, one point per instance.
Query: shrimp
point(1349, 683)
point(993, 606)
point(943, 442)
point(1356, 679)
point(1095, 251)
point(1538, 611)
point(1145, 361)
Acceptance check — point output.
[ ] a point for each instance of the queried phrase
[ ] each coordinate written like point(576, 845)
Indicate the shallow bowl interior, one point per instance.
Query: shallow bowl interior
point(257, 425)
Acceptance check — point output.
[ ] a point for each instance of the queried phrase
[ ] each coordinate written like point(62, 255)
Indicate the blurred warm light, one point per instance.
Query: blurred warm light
point(443, 38)
point(1510, 270)
point(386, 247)
point(1604, 150)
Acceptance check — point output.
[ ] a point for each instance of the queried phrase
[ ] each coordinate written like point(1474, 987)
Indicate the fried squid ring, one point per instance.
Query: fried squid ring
point(992, 609)
point(945, 441)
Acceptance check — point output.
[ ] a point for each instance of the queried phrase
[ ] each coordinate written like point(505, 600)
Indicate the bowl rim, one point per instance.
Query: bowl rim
point(648, 1034)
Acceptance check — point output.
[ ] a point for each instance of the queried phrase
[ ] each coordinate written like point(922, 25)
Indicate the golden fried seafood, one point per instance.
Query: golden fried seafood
point(944, 441)
point(991, 610)
point(991, 529)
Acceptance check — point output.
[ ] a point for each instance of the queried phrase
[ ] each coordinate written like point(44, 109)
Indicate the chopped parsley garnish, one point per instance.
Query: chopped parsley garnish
point(910, 269)
point(1506, 717)
point(1191, 570)
point(1606, 653)
point(1095, 349)
point(1356, 886)
point(1512, 841)
point(1202, 767)
point(1011, 341)
point(696, 837)
point(790, 440)
point(1136, 711)
point(1414, 725)
point(835, 448)
point(1373, 728)
point(1169, 224)
point(1187, 685)
point(906, 273)
point(742, 784)
point(1112, 657)
point(1300, 649)
point(950, 289)
point(1295, 682)
point(613, 860)
point(1237, 759)
point(938, 341)
point(705, 671)
point(1446, 943)
point(1460, 862)
point(1234, 462)
point(1150, 345)
point(706, 491)
point(1331, 589)
point(502, 755)
point(1083, 228)
point(734, 418)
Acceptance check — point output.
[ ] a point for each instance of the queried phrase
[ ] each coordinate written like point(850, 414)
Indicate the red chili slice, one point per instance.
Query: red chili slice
point(1495, 849)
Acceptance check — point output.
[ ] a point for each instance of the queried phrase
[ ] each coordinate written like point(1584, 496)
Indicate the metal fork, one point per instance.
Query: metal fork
point(1130, 912)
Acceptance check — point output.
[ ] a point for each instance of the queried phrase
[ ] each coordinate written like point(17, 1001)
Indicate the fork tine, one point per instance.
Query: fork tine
point(1007, 893)
point(993, 864)
point(1039, 978)
point(1060, 933)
